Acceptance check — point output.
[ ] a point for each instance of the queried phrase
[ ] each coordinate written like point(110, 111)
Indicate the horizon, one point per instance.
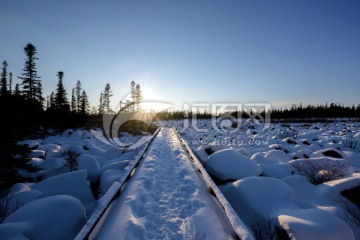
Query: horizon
point(281, 52)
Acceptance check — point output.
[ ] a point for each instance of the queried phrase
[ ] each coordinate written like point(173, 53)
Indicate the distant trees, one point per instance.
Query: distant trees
point(31, 83)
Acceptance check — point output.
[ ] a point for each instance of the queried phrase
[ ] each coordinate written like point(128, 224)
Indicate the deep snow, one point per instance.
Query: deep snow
point(165, 199)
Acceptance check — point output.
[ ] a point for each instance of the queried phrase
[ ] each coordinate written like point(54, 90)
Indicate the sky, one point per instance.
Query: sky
point(191, 51)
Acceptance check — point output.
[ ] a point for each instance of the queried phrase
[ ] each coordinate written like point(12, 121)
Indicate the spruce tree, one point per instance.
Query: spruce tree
point(31, 84)
point(4, 83)
point(106, 99)
point(78, 95)
point(73, 101)
point(61, 102)
point(52, 99)
point(138, 96)
point(101, 104)
point(17, 90)
point(10, 83)
point(85, 106)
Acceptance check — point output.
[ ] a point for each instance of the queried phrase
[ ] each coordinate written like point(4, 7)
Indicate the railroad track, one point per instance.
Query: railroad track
point(116, 205)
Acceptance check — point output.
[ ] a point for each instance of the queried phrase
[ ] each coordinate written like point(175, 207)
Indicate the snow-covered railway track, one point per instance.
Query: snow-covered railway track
point(165, 198)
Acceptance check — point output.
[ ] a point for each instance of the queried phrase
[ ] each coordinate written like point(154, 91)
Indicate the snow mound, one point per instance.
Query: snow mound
point(107, 178)
point(328, 152)
point(50, 147)
point(90, 164)
point(30, 143)
point(37, 154)
point(278, 156)
point(20, 199)
point(74, 184)
point(41, 220)
point(315, 224)
point(260, 201)
point(231, 165)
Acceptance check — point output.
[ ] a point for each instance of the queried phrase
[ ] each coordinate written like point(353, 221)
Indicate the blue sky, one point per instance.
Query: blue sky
point(190, 51)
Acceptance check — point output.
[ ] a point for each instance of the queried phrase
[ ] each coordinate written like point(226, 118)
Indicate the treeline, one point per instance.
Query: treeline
point(333, 110)
point(26, 113)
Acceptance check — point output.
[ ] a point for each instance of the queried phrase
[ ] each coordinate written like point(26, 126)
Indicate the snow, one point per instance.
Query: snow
point(323, 145)
point(165, 199)
point(259, 200)
point(57, 218)
point(229, 164)
point(73, 184)
point(315, 224)
point(90, 164)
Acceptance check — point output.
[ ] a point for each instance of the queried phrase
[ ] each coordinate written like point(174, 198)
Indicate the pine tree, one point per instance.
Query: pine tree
point(106, 99)
point(52, 99)
point(138, 96)
point(10, 83)
point(101, 104)
point(85, 106)
point(17, 90)
point(32, 88)
point(78, 95)
point(4, 84)
point(132, 95)
point(73, 100)
point(60, 101)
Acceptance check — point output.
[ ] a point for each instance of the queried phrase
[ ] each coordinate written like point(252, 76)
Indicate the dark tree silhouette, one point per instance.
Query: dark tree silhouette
point(32, 88)
point(10, 83)
point(73, 101)
point(61, 102)
point(78, 95)
point(85, 106)
point(4, 83)
point(106, 99)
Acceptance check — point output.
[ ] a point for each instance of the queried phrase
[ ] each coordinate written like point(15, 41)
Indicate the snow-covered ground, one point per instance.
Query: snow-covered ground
point(58, 206)
point(283, 177)
point(287, 178)
point(165, 199)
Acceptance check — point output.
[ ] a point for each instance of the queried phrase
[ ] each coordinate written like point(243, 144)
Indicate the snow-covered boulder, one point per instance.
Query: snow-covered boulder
point(90, 164)
point(50, 147)
point(277, 170)
point(37, 154)
point(96, 151)
point(76, 148)
point(19, 199)
point(314, 223)
point(77, 135)
point(113, 153)
point(74, 184)
point(115, 164)
point(229, 164)
point(19, 187)
point(30, 143)
point(278, 156)
point(328, 152)
point(260, 201)
point(107, 178)
point(55, 218)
